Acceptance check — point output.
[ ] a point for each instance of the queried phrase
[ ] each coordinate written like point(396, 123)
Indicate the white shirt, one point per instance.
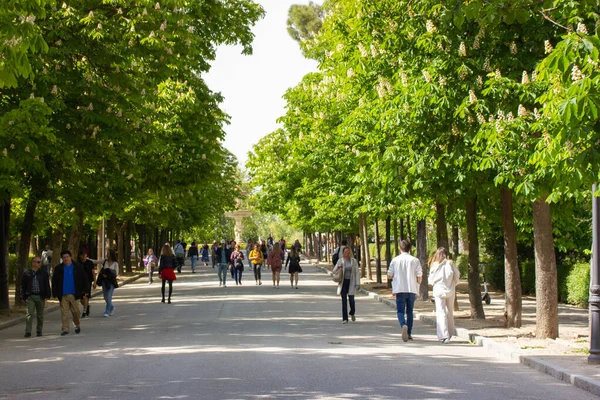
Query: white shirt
point(405, 269)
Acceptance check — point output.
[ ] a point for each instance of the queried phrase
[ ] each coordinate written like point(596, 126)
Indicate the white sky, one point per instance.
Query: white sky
point(253, 86)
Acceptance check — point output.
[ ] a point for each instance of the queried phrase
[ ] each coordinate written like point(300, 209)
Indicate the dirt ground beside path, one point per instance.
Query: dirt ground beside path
point(573, 324)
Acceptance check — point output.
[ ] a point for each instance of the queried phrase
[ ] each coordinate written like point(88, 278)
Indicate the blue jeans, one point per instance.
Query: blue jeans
point(222, 272)
point(107, 290)
point(405, 303)
point(237, 274)
point(194, 259)
point(345, 298)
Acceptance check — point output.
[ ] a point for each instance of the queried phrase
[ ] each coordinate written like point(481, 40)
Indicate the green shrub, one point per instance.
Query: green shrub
point(462, 262)
point(527, 268)
point(578, 284)
point(12, 268)
point(494, 273)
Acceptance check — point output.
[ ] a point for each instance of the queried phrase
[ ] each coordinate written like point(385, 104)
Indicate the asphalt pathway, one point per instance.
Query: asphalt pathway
point(253, 342)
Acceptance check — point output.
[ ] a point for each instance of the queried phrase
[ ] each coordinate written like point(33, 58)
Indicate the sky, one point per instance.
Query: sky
point(253, 86)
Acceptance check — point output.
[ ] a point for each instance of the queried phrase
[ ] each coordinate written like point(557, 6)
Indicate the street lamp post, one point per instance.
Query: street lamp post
point(594, 357)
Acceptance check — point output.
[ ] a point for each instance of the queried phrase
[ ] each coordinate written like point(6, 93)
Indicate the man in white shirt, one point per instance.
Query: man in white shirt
point(406, 274)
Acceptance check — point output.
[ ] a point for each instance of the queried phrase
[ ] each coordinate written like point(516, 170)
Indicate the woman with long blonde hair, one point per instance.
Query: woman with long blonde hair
point(166, 269)
point(443, 276)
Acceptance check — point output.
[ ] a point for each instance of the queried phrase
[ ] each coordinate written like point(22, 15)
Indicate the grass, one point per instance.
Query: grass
point(532, 347)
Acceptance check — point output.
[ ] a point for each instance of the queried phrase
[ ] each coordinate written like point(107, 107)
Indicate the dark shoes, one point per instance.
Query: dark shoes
point(27, 334)
point(83, 315)
point(410, 337)
point(77, 330)
point(162, 301)
point(63, 333)
point(39, 334)
point(169, 301)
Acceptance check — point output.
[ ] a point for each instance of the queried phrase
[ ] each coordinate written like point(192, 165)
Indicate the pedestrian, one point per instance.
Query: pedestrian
point(213, 253)
point(222, 255)
point(166, 270)
point(90, 270)
point(69, 284)
point(270, 242)
point(276, 261)
point(257, 258)
point(349, 283)
point(443, 276)
point(298, 247)
point(205, 252)
point(293, 261)
point(150, 261)
point(231, 246)
point(237, 264)
point(179, 255)
point(108, 279)
point(47, 259)
point(406, 274)
point(249, 248)
point(193, 255)
point(35, 290)
point(265, 251)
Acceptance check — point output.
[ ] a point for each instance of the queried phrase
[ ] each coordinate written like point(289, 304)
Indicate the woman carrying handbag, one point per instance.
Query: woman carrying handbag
point(349, 283)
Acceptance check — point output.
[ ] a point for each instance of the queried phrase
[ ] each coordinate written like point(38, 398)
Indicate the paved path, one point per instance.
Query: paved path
point(253, 342)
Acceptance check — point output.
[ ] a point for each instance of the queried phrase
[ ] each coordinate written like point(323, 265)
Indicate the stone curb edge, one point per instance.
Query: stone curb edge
point(579, 381)
point(17, 320)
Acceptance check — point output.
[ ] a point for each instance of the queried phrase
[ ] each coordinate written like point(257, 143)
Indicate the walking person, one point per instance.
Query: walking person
point(406, 274)
point(298, 246)
point(265, 251)
point(193, 255)
point(35, 290)
point(69, 284)
point(237, 264)
point(276, 261)
point(232, 246)
point(222, 254)
point(350, 283)
point(90, 270)
point(443, 276)
point(166, 270)
point(249, 248)
point(150, 261)
point(256, 258)
point(204, 253)
point(47, 259)
point(213, 253)
point(293, 261)
point(108, 279)
point(179, 255)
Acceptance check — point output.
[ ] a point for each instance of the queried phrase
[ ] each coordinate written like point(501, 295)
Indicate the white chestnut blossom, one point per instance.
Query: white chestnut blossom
point(581, 28)
point(522, 112)
point(513, 48)
point(462, 49)
point(363, 50)
point(479, 82)
point(525, 78)
point(548, 47)
point(472, 97)
point(427, 76)
point(576, 74)
point(430, 26)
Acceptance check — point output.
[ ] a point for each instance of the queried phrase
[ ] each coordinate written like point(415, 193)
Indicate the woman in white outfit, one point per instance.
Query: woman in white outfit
point(444, 276)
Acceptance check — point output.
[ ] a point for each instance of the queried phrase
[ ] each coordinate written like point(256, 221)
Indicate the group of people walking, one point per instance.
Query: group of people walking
point(72, 284)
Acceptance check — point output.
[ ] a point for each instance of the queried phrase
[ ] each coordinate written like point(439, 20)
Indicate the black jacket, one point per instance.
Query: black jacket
point(81, 281)
point(227, 251)
point(166, 262)
point(193, 251)
point(27, 283)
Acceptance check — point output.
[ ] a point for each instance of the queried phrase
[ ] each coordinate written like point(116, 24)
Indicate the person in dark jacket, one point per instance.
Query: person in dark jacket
point(35, 289)
point(69, 284)
point(223, 255)
point(166, 269)
point(90, 270)
point(193, 255)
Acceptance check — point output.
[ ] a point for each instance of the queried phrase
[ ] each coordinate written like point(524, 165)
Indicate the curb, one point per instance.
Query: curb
point(17, 320)
point(582, 382)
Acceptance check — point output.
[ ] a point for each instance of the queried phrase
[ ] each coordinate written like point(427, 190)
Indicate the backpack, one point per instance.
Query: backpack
point(179, 252)
point(335, 257)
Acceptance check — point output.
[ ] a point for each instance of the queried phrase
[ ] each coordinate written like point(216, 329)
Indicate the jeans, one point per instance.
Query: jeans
point(35, 305)
point(256, 270)
point(345, 298)
point(107, 290)
point(194, 259)
point(180, 263)
point(222, 272)
point(405, 303)
point(237, 274)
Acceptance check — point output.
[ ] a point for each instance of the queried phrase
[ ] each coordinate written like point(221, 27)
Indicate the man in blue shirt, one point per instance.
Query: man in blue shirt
point(69, 284)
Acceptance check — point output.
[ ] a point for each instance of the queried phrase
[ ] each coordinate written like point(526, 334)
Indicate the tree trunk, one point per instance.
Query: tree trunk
point(546, 281)
point(366, 252)
point(377, 252)
point(512, 277)
point(474, 286)
point(4, 237)
point(422, 256)
point(33, 246)
point(320, 244)
point(455, 246)
point(26, 229)
point(57, 238)
point(363, 257)
point(388, 247)
point(408, 229)
point(75, 237)
point(127, 248)
point(441, 227)
point(402, 237)
point(120, 245)
point(396, 238)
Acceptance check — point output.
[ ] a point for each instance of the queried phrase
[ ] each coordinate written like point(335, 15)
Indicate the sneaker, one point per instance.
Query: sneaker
point(353, 318)
point(149, 283)
point(240, 282)
point(77, 330)
point(112, 311)
point(224, 285)
point(39, 334)
point(410, 337)
point(169, 301)
point(296, 287)
point(274, 287)
point(63, 333)
point(83, 315)
point(345, 321)
point(106, 314)
point(446, 341)
point(27, 334)
point(405, 333)
point(259, 283)
point(162, 301)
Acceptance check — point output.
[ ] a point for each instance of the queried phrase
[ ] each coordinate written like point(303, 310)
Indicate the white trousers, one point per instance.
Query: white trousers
point(444, 317)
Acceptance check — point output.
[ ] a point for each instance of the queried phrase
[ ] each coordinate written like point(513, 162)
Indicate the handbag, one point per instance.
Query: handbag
point(339, 276)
